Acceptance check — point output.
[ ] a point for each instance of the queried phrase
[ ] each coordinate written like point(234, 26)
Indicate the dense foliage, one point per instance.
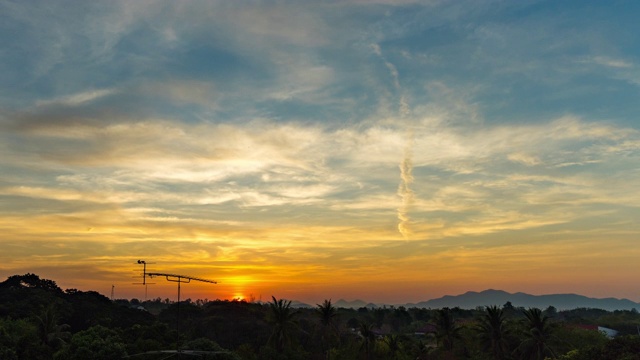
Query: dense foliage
point(38, 320)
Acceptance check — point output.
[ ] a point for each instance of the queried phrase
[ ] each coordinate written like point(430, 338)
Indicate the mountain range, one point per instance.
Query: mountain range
point(472, 300)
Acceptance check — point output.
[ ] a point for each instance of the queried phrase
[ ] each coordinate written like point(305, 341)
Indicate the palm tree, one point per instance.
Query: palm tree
point(368, 338)
point(420, 350)
point(393, 342)
point(492, 332)
point(537, 337)
point(282, 317)
point(447, 331)
point(51, 333)
point(327, 314)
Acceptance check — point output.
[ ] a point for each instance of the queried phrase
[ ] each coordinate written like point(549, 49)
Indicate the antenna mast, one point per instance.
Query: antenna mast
point(179, 279)
point(144, 277)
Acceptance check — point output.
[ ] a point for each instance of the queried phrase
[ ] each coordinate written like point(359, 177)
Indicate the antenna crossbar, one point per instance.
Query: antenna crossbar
point(177, 279)
point(180, 278)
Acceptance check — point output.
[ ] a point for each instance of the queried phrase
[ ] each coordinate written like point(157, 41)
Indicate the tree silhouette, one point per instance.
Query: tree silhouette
point(368, 339)
point(535, 346)
point(447, 331)
point(282, 318)
point(97, 342)
point(492, 332)
point(50, 332)
point(328, 315)
point(420, 350)
point(30, 280)
point(393, 342)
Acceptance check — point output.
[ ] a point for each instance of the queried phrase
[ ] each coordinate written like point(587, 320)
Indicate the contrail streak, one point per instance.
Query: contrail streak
point(406, 165)
point(404, 190)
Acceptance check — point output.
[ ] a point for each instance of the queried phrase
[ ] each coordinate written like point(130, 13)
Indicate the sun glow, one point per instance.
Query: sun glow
point(237, 281)
point(237, 286)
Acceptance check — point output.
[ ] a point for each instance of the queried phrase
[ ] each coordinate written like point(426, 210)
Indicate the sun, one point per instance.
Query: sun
point(238, 287)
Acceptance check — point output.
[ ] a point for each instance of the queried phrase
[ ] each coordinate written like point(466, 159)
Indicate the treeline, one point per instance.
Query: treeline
point(38, 320)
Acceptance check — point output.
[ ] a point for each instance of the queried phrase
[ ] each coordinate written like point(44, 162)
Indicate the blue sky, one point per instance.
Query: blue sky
point(296, 148)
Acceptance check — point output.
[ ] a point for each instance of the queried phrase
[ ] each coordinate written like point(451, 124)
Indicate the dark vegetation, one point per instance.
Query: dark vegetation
point(38, 320)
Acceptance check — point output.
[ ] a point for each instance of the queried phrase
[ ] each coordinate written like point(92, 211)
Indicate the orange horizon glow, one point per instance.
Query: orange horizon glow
point(428, 270)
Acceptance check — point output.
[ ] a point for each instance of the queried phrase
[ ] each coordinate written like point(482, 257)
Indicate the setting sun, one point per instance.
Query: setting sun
point(235, 287)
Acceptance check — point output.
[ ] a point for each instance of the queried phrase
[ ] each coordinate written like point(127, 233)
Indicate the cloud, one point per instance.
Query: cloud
point(181, 91)
point(284, 23)
point(77, 99)
point(462, 177)
point(407, 195)
point(524, 159)
point(611, 62)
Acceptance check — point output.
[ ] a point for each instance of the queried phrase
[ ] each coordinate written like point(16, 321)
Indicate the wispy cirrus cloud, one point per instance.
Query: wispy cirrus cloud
point(278, 165)
point(76, 99)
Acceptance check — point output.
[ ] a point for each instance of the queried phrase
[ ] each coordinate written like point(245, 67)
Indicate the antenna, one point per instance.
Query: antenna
point(144, 277)
point(112, 290)
point(144, 271)
point(179, 279)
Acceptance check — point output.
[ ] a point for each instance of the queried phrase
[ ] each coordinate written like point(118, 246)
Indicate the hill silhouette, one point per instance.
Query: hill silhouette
point(473, 299)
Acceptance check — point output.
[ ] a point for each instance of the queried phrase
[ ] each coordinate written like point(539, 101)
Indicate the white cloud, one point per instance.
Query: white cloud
point(462, 174)
point(198, 92)
point(302, 80)
point(524, 159)
point(612, 62)
point(77, 99)
point(286, 24)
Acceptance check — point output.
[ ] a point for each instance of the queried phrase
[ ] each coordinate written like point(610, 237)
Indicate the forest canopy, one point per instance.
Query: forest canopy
point(38, 320)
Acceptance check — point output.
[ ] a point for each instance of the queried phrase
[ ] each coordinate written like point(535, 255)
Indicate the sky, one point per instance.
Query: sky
point(390, 151)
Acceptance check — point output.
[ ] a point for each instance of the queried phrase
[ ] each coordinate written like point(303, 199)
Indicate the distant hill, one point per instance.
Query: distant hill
point(472, 299)
point(298, 304)
point(355, 304)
